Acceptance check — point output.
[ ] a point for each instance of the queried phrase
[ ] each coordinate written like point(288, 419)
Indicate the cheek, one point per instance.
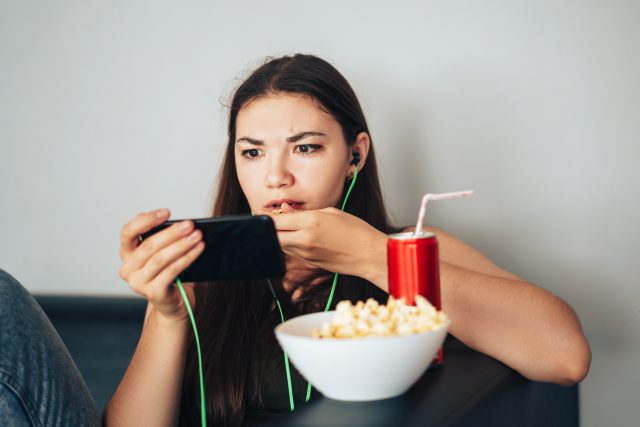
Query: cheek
point(324, 186)
point(247, 182)
point(332, 196)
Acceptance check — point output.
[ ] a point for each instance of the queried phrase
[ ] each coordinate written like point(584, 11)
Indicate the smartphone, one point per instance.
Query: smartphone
point(236, 247)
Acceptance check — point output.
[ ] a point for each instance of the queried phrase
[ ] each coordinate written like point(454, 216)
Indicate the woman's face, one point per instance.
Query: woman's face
point(288, 149)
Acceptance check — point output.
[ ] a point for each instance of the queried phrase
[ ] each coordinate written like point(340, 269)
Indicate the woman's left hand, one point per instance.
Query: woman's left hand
point(334, 241)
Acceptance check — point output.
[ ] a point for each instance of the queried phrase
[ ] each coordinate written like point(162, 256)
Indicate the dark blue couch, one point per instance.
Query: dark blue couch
point(472, 389)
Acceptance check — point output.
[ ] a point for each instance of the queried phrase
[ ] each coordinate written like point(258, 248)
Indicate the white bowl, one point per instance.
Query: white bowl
point(358, 369)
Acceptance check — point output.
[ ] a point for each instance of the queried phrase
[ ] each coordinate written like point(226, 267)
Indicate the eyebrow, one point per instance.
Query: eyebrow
point(293, 138)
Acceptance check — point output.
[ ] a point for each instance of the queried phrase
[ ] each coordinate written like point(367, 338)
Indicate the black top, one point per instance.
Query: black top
point(275, 393)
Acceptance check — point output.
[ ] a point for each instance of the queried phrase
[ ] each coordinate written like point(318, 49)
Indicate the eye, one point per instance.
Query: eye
point(308, 148)
point(251, 154)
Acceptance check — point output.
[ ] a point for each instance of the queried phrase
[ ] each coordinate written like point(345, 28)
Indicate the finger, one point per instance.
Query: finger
point(163, 258)
point(159, 287)
point(139, 283)
point(295, 220)
point(292, 252)
point(286, 207)
point(138, 225)
point(290, 238)
point(300, 242)
point(157, 242)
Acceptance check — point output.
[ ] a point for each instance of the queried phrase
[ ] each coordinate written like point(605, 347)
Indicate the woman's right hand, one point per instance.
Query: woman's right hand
point(151, 267)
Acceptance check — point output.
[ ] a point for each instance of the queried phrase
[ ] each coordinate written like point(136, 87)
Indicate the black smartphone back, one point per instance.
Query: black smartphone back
point(236, 247)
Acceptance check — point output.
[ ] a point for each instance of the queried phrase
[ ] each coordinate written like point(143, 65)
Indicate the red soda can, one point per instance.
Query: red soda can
point(414, 269)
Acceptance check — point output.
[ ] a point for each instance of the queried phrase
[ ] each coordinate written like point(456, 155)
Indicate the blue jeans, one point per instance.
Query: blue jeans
point(40, 384)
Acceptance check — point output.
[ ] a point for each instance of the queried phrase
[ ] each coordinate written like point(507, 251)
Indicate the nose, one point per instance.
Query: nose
point(278, 175)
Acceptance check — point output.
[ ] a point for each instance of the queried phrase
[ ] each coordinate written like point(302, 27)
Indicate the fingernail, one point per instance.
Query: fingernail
point(185, 226)
point(194, 236)
point(160, 213)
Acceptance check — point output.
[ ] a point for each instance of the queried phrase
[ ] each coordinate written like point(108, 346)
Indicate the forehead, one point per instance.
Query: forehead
point(283, 113)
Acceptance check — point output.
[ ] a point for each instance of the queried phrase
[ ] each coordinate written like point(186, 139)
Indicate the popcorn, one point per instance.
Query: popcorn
point(370, 319)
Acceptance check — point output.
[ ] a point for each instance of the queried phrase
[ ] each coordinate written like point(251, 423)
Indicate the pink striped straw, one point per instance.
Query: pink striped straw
point(442, 196)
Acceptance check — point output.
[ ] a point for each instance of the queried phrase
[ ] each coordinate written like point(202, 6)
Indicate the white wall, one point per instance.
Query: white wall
point(110, 108)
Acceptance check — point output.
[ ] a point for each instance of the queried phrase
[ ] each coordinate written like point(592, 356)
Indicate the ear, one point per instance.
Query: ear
point(363, 142)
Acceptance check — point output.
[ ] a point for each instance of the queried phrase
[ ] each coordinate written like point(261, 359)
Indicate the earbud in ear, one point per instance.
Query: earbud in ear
point(356, 158)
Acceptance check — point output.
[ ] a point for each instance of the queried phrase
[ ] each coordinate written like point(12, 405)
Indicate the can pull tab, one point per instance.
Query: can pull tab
point(441, 196)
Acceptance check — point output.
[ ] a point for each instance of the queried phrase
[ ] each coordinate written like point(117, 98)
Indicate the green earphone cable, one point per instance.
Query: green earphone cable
point(203, 408)
point(286, 364)
point(344, 204)
point(335, 277)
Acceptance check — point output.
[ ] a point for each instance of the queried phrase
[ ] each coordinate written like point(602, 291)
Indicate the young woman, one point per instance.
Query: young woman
point(294, 126)
point(296, 135)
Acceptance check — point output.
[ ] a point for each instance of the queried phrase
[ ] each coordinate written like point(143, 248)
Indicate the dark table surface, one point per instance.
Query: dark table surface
point(469, 389)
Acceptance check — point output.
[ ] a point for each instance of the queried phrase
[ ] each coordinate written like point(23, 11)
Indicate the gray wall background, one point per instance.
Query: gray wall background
point(111, 108)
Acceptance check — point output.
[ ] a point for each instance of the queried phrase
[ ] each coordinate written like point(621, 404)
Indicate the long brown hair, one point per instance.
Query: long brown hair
point(235, 319)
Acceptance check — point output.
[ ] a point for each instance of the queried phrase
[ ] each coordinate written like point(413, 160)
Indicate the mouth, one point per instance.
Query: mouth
point(282, 204)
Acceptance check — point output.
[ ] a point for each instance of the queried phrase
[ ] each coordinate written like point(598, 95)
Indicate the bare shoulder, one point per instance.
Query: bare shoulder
point(454, 250)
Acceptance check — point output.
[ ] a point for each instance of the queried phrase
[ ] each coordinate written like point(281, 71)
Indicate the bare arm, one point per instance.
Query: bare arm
point(149, 393)
point(520, 324)
point(491, 310)
point(497, 313)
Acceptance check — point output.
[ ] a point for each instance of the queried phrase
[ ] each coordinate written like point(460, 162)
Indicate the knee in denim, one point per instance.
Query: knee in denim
point(11, 291)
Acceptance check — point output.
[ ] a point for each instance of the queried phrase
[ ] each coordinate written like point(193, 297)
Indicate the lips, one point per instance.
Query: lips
point(283, 205)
